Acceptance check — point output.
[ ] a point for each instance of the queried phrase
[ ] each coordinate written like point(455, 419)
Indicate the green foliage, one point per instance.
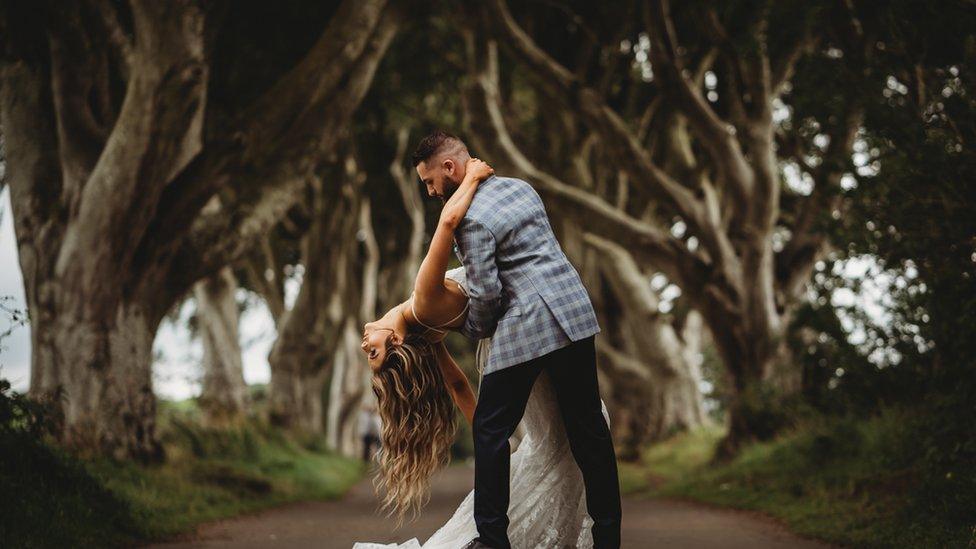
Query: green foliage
point(768, 412)
point(673, 458)
point(14, 317)
point(209, 474)
point(909, 208)
point(40, 484)
point(908, 211)
point(903, 478)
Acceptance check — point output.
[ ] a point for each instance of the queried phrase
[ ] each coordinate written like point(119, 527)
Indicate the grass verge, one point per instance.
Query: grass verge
point(53, 499)
point(864, 483)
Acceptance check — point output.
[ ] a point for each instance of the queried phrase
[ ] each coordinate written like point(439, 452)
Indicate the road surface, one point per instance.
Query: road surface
point(647, 523)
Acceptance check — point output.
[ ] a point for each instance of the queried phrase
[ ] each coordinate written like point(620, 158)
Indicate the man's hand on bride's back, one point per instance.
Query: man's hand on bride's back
point(479, 169)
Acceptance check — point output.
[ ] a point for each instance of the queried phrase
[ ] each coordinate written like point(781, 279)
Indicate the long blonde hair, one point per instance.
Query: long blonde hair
point(418, 425)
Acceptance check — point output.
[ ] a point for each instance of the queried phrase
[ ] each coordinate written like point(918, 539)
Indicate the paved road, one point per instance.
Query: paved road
point(647, 523)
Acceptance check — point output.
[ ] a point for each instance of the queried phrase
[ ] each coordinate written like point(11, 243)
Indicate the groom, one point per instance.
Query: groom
point(525, 293)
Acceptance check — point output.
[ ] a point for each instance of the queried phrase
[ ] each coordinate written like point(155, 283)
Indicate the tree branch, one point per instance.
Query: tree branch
point(660, 346)
point(80, 135)
point(598, 114)
point(307, 97)
point(717, 136)
point(215, 240)
point(621, 363)
point(32, 164)
point(120, 41)
point(808, 243)
point(415, 210)
point(156, 134)
point(259, 262)
point(619, 140)
point(601, 215)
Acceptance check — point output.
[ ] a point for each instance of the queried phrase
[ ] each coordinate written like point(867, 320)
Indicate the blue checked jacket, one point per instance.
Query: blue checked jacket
point(522, 289)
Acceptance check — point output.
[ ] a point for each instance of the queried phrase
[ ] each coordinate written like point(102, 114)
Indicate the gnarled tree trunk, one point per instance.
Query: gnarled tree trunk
point(338, 291)
point(350, 383)
point(310, 333)
point(105, 396)
point(109, 189)
point(351, 379)
point(401, 267)
point(726, 189)
point(223, 396)
point(655, 364)
point(650, 367)
point(81, 192)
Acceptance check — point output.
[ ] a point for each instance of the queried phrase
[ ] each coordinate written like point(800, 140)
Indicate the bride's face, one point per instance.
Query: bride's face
point(377, 341)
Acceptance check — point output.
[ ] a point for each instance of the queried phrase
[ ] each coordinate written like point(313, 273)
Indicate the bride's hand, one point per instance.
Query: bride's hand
point(478, 169)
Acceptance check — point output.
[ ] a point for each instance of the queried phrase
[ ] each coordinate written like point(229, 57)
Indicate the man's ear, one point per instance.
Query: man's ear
point(449, 166)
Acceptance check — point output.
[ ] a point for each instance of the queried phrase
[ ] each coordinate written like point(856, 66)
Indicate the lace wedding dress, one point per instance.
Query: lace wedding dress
point(547, 507)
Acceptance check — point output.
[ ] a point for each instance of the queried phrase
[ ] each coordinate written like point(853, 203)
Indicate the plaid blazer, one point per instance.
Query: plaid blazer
point(522, 290)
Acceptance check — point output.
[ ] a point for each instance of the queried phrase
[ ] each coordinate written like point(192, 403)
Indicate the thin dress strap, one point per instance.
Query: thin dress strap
point(438, 328)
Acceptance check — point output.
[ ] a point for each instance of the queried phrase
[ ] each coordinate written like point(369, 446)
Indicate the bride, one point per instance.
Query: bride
point(417, 384)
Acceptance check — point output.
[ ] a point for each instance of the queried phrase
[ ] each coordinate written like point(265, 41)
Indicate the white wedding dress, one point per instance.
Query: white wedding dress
point(547, 506)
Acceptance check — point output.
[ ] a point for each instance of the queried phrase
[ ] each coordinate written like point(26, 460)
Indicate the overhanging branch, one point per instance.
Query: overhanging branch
point(219, 238)
point(619, 139)
point(716, 134)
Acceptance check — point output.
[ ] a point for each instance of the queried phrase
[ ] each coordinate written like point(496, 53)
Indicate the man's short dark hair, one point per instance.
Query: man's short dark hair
point(434, 143)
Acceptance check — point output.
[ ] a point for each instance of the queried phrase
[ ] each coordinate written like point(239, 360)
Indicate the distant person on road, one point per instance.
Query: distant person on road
point(369, 430)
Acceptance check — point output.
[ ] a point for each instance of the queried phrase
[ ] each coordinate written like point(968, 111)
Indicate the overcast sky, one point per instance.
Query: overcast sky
point(15, 355)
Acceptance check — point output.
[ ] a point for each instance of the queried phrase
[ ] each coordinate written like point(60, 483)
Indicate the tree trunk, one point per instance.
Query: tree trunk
point(755, 393)
point(656, 366)
point(691, 399)
point(715, 172)
point(110, 172)
point(677, 400)
point(296, 399)
point(338, 292)
point(401, 269)
point(350, 381)
point(98, 375)
point(223, 398)
point(310, 332)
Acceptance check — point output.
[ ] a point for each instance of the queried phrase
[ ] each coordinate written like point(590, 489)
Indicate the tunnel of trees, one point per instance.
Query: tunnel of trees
point(724, 176)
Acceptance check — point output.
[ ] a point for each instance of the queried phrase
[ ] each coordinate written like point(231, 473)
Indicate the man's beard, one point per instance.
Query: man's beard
point(449, 192)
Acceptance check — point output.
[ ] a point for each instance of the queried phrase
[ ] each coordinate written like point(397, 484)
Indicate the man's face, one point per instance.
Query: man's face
point(441, 177)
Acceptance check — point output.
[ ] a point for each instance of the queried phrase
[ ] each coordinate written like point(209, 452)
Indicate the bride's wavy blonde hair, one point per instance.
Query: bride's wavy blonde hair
point(418, 425)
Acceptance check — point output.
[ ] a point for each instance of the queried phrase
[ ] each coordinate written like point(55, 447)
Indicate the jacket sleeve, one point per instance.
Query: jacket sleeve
point(478, 246)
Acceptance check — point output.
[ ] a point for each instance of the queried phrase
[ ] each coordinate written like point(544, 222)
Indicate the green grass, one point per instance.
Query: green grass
point(60, 501)
point(678, 457)
point(50, 499)
point(860, 483)
point(633, 478)
point(250, 472)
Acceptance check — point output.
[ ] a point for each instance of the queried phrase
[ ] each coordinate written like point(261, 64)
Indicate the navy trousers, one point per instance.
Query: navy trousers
point(501, 404)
